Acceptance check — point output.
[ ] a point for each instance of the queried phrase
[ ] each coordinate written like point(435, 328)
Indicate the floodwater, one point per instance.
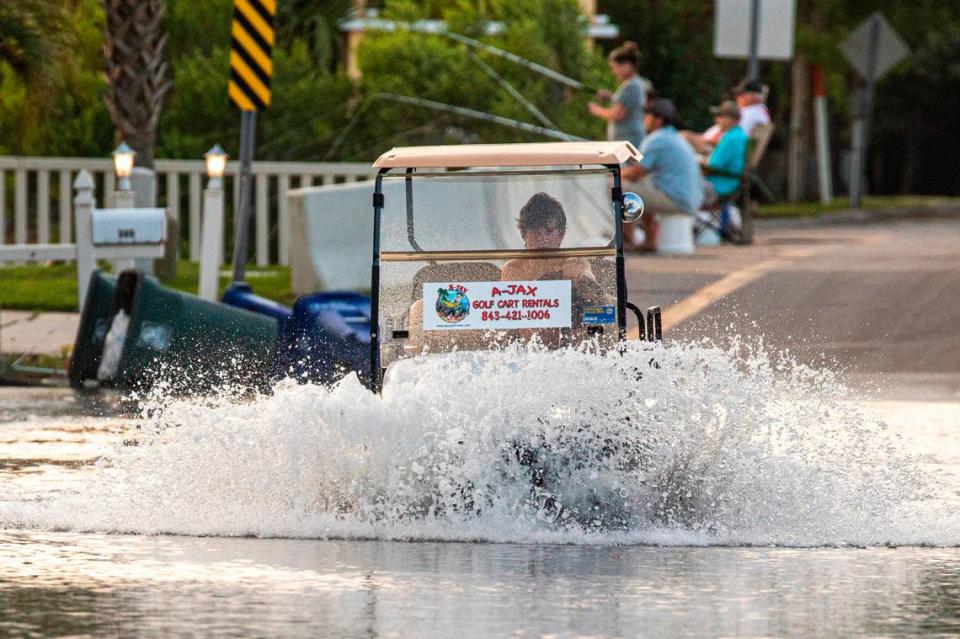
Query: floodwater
point(768, 501)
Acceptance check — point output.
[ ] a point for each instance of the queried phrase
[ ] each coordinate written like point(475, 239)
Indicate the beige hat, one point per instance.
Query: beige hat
point(727, 107)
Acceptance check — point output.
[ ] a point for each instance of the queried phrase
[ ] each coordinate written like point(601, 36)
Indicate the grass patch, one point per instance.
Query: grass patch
point(878, 203)
point(53, 287)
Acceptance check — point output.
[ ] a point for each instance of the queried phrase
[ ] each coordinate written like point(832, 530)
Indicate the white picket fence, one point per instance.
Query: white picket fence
point(38, 211)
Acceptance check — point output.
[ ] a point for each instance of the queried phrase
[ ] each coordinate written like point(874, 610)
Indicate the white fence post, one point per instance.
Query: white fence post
point(43, 207)
point(263, 221)
point(83, 203)
point(283, 217)
point(20, 207)
point(193, 231)
point(211, 253)
point(66, 223)
point(3, 207)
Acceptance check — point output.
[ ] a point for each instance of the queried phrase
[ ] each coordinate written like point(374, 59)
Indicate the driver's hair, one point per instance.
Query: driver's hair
point(539, 210)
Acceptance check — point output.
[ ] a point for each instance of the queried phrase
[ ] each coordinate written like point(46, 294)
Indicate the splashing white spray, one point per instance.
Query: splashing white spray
point(687, 444)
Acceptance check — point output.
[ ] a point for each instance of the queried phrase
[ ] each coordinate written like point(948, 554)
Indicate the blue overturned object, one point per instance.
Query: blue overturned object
point(330, 338)
point(321, 339)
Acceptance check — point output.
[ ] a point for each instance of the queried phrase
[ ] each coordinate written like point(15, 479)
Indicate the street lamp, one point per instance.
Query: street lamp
point(216, 161)
point(123, 164)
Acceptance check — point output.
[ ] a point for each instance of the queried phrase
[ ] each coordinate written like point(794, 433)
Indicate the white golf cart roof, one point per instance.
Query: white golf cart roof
point(491, 155)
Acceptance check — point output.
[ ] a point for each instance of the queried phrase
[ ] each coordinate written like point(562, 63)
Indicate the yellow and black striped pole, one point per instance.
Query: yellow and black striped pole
point(251, 67)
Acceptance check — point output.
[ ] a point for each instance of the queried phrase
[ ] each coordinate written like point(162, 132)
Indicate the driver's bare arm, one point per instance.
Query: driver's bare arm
point(511, 270)
point(574, 269)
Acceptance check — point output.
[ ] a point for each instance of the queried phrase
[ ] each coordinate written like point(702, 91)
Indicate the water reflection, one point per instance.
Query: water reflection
point(52, 583)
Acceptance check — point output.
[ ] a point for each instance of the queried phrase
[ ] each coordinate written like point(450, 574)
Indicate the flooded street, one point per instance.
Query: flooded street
point(81, 573)
point(67, 583)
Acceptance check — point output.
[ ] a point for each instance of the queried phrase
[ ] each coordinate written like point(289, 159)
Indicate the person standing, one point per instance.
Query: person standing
point(624, 116)
point(668, 175)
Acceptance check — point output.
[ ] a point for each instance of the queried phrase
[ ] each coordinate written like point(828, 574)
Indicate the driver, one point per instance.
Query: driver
point(542, 224)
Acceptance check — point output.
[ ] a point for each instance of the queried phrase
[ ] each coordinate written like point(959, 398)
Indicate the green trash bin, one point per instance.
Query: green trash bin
point(95, 320)
point(191, 344)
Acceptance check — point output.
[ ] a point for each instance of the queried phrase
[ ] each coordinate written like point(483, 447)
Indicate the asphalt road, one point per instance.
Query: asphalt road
point(878, 301)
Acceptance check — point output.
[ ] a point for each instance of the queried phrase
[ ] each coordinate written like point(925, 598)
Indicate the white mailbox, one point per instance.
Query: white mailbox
point(128, 226)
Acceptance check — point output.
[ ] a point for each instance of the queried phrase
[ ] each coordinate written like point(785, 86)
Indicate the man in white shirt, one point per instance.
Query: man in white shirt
point(750, 101)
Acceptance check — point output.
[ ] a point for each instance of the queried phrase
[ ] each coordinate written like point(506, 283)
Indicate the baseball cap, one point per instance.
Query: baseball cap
point(662, 108)
point(748, 86)
point(727, 107)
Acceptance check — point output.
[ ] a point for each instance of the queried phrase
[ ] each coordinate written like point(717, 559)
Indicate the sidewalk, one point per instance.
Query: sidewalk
point(38, 333)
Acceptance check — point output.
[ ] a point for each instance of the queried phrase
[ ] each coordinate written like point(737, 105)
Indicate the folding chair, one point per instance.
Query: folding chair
point(719, 214)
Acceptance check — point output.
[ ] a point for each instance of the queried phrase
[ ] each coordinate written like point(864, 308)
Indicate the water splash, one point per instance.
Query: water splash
point(686, 444)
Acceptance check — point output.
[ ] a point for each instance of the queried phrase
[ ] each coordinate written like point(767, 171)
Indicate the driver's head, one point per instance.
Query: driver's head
point(542, 222)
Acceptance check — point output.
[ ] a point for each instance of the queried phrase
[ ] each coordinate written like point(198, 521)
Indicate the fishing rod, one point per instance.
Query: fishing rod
point(479, 115)
point(488, 48)
point(510, 89)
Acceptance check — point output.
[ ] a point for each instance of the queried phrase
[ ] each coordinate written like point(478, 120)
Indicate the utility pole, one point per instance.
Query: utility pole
point(797, 145)
point(753, 70)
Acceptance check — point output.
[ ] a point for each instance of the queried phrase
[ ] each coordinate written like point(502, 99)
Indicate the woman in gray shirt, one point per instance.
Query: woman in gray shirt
point(624, 116)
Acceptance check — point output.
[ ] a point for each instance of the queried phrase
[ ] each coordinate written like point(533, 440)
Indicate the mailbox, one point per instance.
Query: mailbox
point(129, 226)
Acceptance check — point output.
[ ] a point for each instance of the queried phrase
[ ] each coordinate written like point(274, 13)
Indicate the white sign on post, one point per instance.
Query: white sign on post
point(731, 36)
point(496, 305)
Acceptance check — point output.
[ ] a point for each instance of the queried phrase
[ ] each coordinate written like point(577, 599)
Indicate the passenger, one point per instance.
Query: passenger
point(542, 224)
point(729, 156)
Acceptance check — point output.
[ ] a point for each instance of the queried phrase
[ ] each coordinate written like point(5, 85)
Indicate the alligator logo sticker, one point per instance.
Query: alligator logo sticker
point(453, 305)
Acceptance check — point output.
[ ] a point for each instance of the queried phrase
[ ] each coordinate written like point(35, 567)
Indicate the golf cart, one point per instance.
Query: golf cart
point(475, 246)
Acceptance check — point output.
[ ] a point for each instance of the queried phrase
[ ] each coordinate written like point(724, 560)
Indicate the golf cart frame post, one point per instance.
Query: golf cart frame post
point(543, 158)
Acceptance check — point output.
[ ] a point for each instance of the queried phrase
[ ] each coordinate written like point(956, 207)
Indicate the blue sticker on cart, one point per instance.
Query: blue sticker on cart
point(599, 314)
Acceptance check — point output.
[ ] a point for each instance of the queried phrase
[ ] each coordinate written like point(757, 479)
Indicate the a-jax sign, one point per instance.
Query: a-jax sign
point(496, 305)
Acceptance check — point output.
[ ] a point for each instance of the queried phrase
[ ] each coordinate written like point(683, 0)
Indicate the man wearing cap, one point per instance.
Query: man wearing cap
point(668, 176)
point(750, 101)
point(730, 154)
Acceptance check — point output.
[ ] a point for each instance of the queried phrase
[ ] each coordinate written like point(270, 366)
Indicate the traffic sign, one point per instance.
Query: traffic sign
point(890, 47)
point(251, 66)
point(873, 49)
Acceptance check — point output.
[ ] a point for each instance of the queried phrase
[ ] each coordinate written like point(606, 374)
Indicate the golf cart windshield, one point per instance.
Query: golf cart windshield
point(473, 259)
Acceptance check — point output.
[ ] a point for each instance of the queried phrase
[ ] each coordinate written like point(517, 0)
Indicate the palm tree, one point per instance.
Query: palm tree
point(33, 33)
point(136, 72)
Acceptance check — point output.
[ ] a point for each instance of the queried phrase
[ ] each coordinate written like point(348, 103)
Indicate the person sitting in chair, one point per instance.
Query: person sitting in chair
point(668, 177)
point(725, 165)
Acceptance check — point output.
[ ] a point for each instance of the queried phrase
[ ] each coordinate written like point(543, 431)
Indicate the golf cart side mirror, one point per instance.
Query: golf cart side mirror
point(632, 207)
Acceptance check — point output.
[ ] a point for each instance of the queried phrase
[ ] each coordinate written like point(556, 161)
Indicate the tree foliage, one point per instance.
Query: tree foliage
point(52, 86)
point(54, 105)
point(548, 32)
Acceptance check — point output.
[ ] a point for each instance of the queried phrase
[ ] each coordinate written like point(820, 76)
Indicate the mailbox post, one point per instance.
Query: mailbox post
point(112, 234)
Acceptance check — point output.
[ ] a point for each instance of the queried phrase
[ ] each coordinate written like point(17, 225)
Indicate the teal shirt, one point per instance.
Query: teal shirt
point(729, 155)
point(670, 161)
